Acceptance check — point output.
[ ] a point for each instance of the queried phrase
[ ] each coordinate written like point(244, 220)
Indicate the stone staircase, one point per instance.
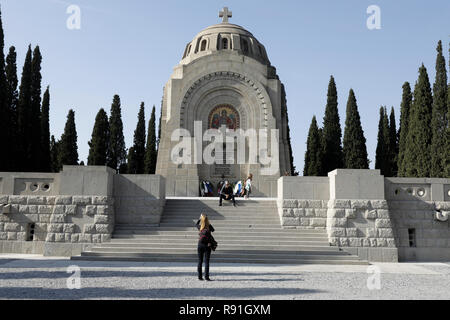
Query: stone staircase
point(249, 233)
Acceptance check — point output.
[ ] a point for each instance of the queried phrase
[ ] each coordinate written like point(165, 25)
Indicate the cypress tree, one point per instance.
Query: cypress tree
point(4, 114)
point(355, 151)
point(332, 133)
point(68, 153)
point(403, 130)
point(382, 152)
point(439, 122)
point(54, 155)
point(150, 152)
point(34, 147)
point(12, 97)
point(116, 149)
point(98, 146)
point(446, 160)
point(131, 161)
point(136, 157)
point(45, 158)
point(417, 154)
point(314, 151)
point(393, 145)
point(24, 114)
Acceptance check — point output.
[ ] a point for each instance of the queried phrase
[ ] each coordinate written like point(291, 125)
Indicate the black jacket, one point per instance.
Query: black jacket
point(205, 235)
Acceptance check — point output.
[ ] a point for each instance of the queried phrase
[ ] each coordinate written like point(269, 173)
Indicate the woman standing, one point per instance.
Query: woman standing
point(204, 248)
point(248, 186)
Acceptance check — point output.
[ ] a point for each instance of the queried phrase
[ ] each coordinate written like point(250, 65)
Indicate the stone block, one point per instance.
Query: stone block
point(40, 227)
point(383, 223)
point(63, 200)
point(370, 214)
point(287, 222)
point(103, 210)
point(21, 236)
point(305, 222)
point(32, 209)
point(310, 213)
point(300, 212)
point(32, 217)
point(4, 199)
point(75, 238)
point(360, 204)
point(321, 213)
point(3, 235)
point(44, 218)
point(385, 233)
point(23, 209)
point(60, 237)
point(288, 212)
point(90, 210)
point(382, 242)
point(12, 236)
point(37, 200)
point(86, 238)
point(365, 242)
point(337, 232)
point(343, 242)
point(106, 237)
point(302, 204)
point(319, 222)
point(69, 228)
point(89, 228)
point(337, 222)
point(290, 204)
point(342, 204)
point(96, 238)
point(350, 213)
point(17, 200)
point(2, 226)
point(71, 210)
point(50, 237)
point(82, 201)
point(103, 228)
point(316, 204)
point(379, 204)
point(57, 218)
point(373, 242)
point(12, 227)
point(51, 200)
point(101, 219)
point(100, 200)
point(352, 232)
point(46, 209)
point(333, 241)
point(371, 233)
point(383, 214)
point(67, 237)
point(355, 242)
point(58, 209)
point(55, 228)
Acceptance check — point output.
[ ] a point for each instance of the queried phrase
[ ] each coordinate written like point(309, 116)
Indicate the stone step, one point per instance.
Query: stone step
point(254, 254)
point(193, 260)
point(225, 245)
point(222, 232)
point(193, 237)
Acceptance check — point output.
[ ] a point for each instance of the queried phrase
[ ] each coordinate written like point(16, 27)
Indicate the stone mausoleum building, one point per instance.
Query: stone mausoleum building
point(226, 82)
point(225, 79)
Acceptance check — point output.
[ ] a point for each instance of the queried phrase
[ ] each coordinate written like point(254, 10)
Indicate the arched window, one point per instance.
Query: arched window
point(203, 46)
point(245, 48)
point(225, 44)
point(189, 49)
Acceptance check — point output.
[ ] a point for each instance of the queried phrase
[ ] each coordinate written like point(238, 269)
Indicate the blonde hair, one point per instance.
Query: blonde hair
point(250, 176)
point(204, 222)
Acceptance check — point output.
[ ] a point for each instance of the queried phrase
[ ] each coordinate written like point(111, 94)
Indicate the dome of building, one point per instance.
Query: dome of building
point(225, 37)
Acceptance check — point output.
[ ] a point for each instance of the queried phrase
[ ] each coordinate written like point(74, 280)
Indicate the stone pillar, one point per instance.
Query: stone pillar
point(358, 218)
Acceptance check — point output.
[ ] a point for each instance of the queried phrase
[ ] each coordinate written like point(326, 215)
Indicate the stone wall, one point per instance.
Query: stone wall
point(376, 218)
point(413, 203)
point(63, 214)
point(140, 199)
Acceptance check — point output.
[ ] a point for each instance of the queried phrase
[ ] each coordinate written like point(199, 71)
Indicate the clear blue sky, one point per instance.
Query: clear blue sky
point(130, 48)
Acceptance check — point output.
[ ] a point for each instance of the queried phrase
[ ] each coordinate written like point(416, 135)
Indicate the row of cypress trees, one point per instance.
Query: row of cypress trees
point(107, 145)
point(325, 151)
point(420, 148)
point(24, 118)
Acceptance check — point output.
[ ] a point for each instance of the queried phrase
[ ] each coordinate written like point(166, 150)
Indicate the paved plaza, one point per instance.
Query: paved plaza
point(37, 277)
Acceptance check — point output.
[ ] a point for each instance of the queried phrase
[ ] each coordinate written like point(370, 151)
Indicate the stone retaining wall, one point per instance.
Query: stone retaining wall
point(307, 214)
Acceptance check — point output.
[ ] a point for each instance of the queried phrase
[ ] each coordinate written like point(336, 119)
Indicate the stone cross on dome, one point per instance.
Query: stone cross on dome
point(225, 14)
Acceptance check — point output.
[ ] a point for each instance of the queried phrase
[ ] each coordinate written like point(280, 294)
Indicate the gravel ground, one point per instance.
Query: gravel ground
point(42, 278)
